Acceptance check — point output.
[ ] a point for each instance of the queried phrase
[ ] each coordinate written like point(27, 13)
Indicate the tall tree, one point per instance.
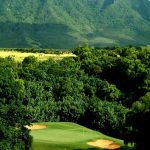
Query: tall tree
point(13, 115)
point(138, 122)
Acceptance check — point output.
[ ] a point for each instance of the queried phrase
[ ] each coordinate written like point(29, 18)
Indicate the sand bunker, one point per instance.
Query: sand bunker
point(105, 144)
point(35, 127)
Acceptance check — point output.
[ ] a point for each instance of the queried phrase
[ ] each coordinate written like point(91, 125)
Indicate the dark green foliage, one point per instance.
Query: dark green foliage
point(40, 103)
point(97, 88)
point(138, 122)
point(72, 108)
point(13, 115)
point(107, 117)
point(107, 91)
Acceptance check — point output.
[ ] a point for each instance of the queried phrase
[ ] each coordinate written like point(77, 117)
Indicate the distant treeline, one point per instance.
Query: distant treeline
point(33, 50)
point(60, 51)
point(106, 90)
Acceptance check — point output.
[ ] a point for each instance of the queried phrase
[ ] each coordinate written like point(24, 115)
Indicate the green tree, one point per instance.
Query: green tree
point(138, 124)
point(13, 114)
point(107, 117)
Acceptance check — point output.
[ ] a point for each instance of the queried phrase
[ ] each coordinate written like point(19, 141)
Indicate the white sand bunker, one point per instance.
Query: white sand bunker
point(35, 127)
point(105, 144)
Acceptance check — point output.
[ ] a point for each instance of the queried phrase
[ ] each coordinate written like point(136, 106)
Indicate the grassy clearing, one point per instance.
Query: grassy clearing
point(67, 136)
point(19, 56)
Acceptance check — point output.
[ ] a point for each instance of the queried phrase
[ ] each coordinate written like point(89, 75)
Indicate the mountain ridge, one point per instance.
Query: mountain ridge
point(67, 24)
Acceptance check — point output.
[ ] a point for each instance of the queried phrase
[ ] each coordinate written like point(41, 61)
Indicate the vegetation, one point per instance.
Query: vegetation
point(19, 56)
point(105, 90)
point(139, 129)
point(13, 114)
point(67, 24)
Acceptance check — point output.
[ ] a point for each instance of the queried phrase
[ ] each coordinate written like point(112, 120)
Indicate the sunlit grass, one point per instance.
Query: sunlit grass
point(19, 56)
point(68, 136)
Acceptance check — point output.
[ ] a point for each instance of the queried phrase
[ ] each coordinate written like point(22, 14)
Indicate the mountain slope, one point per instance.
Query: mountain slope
point(67, 24)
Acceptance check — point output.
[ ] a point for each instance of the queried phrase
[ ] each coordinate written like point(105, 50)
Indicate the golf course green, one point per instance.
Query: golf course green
point(67, 136)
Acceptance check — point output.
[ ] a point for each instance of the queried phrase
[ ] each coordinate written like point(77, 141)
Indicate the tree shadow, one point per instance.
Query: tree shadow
point(121, 148)
point(126, 148)
point(89, 149)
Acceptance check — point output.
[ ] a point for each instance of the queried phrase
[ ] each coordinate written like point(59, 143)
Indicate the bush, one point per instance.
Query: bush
point(71, 108)
point(107, 117)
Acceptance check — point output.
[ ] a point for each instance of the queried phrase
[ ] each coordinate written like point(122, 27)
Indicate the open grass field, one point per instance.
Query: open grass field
point(19, 56)
point(68, 136)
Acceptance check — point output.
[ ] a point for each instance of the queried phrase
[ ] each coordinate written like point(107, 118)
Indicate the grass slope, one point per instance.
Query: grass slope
point(67, 136)
point(19, 56)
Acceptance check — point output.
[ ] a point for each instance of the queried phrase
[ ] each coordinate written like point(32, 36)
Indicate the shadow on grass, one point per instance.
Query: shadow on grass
point(121, 148)
point(89, 149)
point(126, 148)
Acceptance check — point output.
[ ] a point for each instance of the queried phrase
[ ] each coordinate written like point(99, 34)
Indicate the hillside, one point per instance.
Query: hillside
point(67, 24)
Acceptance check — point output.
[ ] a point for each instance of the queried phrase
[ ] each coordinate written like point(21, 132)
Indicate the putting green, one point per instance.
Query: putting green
point(66, 136)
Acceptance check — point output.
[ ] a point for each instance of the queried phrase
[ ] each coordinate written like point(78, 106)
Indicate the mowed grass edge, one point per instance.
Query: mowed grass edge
point(68, 136)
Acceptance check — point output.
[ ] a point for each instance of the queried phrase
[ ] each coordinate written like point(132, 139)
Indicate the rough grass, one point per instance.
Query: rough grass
point(67, 136)
point(19, 56)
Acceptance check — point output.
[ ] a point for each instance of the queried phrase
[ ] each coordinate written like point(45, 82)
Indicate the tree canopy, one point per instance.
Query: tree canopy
point(104, 89)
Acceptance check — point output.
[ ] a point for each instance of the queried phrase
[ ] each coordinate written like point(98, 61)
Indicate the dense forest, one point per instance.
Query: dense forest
point(106, 90)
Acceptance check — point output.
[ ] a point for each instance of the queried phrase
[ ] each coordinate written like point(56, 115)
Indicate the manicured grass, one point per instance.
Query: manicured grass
point(19, 56)
point(67, 136)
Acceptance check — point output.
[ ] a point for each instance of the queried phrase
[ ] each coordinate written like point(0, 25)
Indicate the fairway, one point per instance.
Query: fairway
point(19, 56)
point(66, 136)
